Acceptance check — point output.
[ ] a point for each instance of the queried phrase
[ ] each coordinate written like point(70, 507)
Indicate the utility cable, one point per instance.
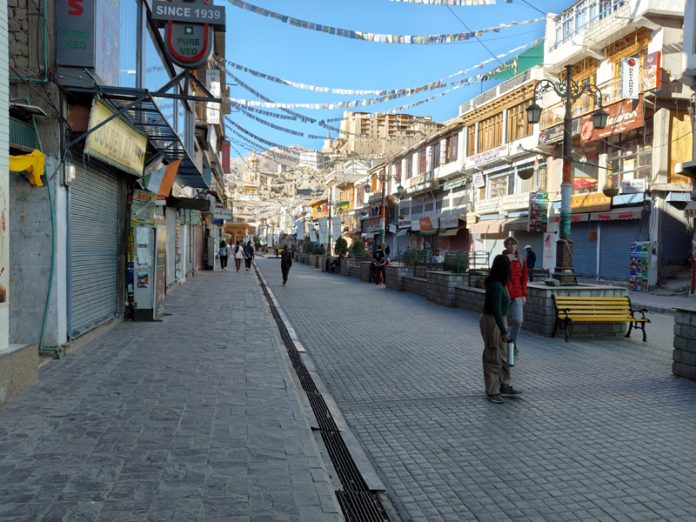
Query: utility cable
point(475, 36)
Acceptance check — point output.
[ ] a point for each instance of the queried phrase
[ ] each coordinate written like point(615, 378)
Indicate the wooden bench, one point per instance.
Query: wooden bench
point(585, 309)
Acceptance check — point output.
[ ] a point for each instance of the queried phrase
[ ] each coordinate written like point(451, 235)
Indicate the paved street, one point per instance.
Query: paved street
point(194, 418)
point(604, 431)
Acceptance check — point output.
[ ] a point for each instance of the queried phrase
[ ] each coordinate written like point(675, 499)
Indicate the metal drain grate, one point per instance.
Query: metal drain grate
point(358, 503)
point(360, 506)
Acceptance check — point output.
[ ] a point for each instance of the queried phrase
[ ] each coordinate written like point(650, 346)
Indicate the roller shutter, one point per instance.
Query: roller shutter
point(615, 253)
point(675, 246)
point(95, 199)
point(536, 240)
point(584, 249)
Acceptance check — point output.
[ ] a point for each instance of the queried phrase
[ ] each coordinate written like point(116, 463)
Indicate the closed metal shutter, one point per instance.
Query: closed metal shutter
point(675, 246)
point(94, 258)
point(585, 238)
point(171, 245)
point(615, 254)
point(199, 247)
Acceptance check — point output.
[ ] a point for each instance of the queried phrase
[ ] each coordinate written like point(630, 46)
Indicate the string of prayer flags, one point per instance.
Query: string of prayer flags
point(379, 37)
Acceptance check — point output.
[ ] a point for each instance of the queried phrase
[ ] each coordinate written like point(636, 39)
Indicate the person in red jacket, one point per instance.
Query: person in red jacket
point(517, 287)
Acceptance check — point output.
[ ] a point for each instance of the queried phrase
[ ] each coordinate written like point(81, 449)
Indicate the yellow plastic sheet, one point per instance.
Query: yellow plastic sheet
point(32, 163)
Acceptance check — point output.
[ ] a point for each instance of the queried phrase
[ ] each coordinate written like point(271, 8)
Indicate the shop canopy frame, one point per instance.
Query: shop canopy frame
point(138, 106)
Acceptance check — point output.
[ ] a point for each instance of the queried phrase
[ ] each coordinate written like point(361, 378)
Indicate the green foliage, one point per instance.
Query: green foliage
point(358, 247)
point(341, 246)
point(414, 257)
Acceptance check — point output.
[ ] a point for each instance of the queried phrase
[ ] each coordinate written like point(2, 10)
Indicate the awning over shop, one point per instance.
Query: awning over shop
point(140, 109)
point(204, 205)
point(674, 197)
point(489, 226)
point(518, 223)
point(449, 231)
point(617, 214)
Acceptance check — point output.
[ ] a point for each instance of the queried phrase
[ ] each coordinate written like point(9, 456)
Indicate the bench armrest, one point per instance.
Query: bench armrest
point(566, 311)
point(639, 310)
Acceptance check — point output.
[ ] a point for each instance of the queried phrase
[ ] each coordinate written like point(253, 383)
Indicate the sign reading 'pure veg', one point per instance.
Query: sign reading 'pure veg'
point(188, 29)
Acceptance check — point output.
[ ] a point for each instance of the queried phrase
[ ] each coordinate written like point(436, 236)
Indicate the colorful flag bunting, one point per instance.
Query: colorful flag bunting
point(378, 37)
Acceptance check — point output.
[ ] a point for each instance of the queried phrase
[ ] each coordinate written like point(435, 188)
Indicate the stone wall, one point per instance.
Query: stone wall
point(395, 274)
point(365, 270)
point(469, 298)
point(19, 367)
point(416, 285)
point(441, 286)
point(684, 354)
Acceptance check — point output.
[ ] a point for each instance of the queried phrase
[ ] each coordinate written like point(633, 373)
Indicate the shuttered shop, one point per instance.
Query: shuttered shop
point(584, 237)
point(615, 254)
point(95, 208)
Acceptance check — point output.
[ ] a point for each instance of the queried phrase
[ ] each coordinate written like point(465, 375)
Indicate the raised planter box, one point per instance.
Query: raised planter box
point(395, 274)
point(469, 298)
point(365, 270)
point(19, 367)
point(416, 285)
point(684, 354)
point(441, 286)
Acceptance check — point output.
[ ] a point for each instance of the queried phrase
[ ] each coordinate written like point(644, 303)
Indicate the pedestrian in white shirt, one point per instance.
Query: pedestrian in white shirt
point(238, 255)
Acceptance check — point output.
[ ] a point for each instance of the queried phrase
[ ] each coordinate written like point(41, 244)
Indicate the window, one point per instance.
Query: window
point(127, 44)
point(490, 132)
point(409, 168)
point(422, 160)
point(471, 144)
point(396, 168)
point(501, 185)
point(451, 144)
point(517, 125)
point(436, 155)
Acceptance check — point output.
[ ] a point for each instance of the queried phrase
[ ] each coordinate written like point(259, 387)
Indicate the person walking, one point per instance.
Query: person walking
point(238, 255)
point(248, 255)
point(531, 261)
point(285, 264)
point(495, 333)
point(223, 252)
point(517, 287)
point(379, 262)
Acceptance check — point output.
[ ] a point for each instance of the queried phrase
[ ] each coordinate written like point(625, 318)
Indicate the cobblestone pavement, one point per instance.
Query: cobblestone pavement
point(604, 431)
point(194, 418)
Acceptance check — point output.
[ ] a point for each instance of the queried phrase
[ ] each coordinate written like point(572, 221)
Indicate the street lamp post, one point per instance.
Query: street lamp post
point(568, 91)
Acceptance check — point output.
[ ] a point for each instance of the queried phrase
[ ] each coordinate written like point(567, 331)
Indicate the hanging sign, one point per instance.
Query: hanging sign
point(222, 213)
point(651, 71)
point(630, 86)
point(117, 142)
point(188, 29)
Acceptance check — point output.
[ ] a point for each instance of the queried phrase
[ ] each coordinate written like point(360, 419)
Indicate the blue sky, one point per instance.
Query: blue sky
point(311, 57)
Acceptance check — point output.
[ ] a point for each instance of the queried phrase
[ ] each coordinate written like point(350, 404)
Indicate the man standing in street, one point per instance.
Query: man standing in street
point(517, 287)
point(531, 261)
point(285, 264)
point(379, 262)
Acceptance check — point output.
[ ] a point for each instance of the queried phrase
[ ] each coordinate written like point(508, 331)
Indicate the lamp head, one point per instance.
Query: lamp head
point(533, 113)
point(599, 118)
point(368, 188)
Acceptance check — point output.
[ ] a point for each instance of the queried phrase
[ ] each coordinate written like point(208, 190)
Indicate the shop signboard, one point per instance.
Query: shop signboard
point(188, 29)
point(449, 221)
point(426, 224)
point(143, 207)
point(515, 201)
point(651, 71)
point(629, 78)
point(487, 156)
point(479, 180)
point(195, 217)
point(404, 223)
point(595, 202)
point(471, 219)
point(457, 183)
point(623, 116)
point(117, 142)
point(487, 206)
point(538, 211)
point(212, 112)
point(555, 133)
point(222, 213)
point(423, 187)
point(632, 186)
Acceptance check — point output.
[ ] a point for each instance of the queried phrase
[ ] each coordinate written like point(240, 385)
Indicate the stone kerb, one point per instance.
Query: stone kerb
point(441, 286)
point(684, 354)
point(540, 315)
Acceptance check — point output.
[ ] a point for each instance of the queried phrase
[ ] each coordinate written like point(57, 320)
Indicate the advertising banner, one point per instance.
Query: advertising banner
point(538, 212)
point(143, 207)
point(323, 230)
point(623, 116)
point(630, 86)
point(336, 228)
point(651, 71)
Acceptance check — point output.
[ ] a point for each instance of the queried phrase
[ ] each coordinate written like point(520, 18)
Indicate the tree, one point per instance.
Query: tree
point(341, 246)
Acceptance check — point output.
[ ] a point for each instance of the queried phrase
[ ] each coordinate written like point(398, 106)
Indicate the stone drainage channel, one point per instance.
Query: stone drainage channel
point(357, 501)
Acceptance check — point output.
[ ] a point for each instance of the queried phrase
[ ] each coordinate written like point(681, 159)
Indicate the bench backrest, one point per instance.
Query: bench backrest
point(593, 306)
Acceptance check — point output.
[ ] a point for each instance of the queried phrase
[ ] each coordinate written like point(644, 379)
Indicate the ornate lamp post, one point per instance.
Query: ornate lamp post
point(568, 91)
